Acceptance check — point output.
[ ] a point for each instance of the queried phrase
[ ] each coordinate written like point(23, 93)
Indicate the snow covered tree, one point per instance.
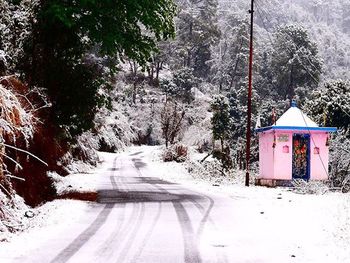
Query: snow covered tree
point(295, 61)
point(221, 129)
point(185, 80)
point(67, 52)
point(161, 57)
point(15, 28)
point(230, 56)
point(339, 163)
point(180, 85)
point(221, 119)
point(197, 32)
point(331, 106)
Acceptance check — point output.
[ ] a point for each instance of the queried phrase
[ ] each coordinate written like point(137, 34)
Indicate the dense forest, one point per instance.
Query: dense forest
point(82, 76)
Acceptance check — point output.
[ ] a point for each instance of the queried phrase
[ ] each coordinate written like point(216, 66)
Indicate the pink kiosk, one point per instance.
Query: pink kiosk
point(294, 148)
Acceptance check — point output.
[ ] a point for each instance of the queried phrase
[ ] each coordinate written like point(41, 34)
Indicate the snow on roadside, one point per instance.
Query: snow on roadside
point(44, 220)
point(12, 215)
point(313, 227)
point(49, 220)
point(80, 182)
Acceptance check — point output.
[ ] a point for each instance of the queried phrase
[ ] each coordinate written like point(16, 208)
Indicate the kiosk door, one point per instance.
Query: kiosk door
point(301, 156)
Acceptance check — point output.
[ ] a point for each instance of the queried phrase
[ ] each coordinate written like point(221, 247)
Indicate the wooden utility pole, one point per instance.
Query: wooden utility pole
point(249, 122)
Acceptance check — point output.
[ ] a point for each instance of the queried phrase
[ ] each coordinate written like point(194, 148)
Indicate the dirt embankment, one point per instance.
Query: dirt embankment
point(33, 132)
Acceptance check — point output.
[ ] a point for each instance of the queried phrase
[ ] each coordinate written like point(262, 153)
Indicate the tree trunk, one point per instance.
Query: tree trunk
point(291, 85)
point(2, 151)
point(134, 93)
point(159, 67)
point(152, 72)
point(188, 61)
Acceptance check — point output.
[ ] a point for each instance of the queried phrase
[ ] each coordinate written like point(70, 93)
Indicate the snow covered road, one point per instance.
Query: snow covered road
point(138, 218)
point(141, 218)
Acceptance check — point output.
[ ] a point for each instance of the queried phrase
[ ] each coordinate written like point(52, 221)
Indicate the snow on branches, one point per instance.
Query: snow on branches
point(17, 121)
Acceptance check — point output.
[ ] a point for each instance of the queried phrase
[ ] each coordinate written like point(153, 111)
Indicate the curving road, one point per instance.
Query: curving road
point(140, 218)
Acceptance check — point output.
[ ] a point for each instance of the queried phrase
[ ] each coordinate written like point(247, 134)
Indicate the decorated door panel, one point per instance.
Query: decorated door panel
point(301, 156)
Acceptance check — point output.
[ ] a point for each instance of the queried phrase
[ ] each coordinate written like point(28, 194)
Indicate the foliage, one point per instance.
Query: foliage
point(295, 61)
point(221, 123)
point(71, 64)
point(339, 175)
point(330, 105)
point(198, 31)
point(119, 27)
point(177, 153)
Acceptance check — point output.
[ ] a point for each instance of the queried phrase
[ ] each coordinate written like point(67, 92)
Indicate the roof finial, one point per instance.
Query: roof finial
point(293, 103)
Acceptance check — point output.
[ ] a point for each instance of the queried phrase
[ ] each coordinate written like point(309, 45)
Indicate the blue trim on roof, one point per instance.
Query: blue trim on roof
point(298, 128)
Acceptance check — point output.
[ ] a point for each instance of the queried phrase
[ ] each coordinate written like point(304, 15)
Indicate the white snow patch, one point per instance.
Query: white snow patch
point(295, 117)
point(270, 221)
point(49, 221)
point(267, 224)
point(74, 183)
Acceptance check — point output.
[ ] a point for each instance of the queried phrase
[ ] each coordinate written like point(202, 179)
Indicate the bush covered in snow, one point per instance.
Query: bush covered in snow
point(13, 214)
point(17, 124)
point(311, 187)
point(339, 175)
point(177, 153)
point(211, 170)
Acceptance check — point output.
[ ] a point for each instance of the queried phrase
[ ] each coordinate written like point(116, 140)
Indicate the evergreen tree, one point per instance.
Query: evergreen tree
point(330, 106)
point(221, 130)
point(230, 58)
point(67, 48)
point(180, 85)
point(197, 32)
point(295, 62)
point(221, 119)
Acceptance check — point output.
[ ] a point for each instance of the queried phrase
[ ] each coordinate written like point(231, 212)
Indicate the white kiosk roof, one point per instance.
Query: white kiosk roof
point(295, 119)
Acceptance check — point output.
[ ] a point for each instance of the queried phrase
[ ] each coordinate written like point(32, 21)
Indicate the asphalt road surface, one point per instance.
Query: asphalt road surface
point(140, 218)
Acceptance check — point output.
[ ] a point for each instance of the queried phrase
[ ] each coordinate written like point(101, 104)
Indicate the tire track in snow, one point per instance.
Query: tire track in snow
point(206, 218)
point(86, 235)
point(148, 234)
point(124, 235)
point(221, 255)
point(132, 233)
point(191, 253)
point(105, 250)
point(190, 240)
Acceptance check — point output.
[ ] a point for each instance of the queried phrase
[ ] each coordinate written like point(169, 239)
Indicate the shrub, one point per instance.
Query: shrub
point(177, 153)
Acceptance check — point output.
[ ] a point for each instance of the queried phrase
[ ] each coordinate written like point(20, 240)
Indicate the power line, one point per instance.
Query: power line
point(308, 59)
point(311, 64)
point(299, 59)
point(313, 141)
